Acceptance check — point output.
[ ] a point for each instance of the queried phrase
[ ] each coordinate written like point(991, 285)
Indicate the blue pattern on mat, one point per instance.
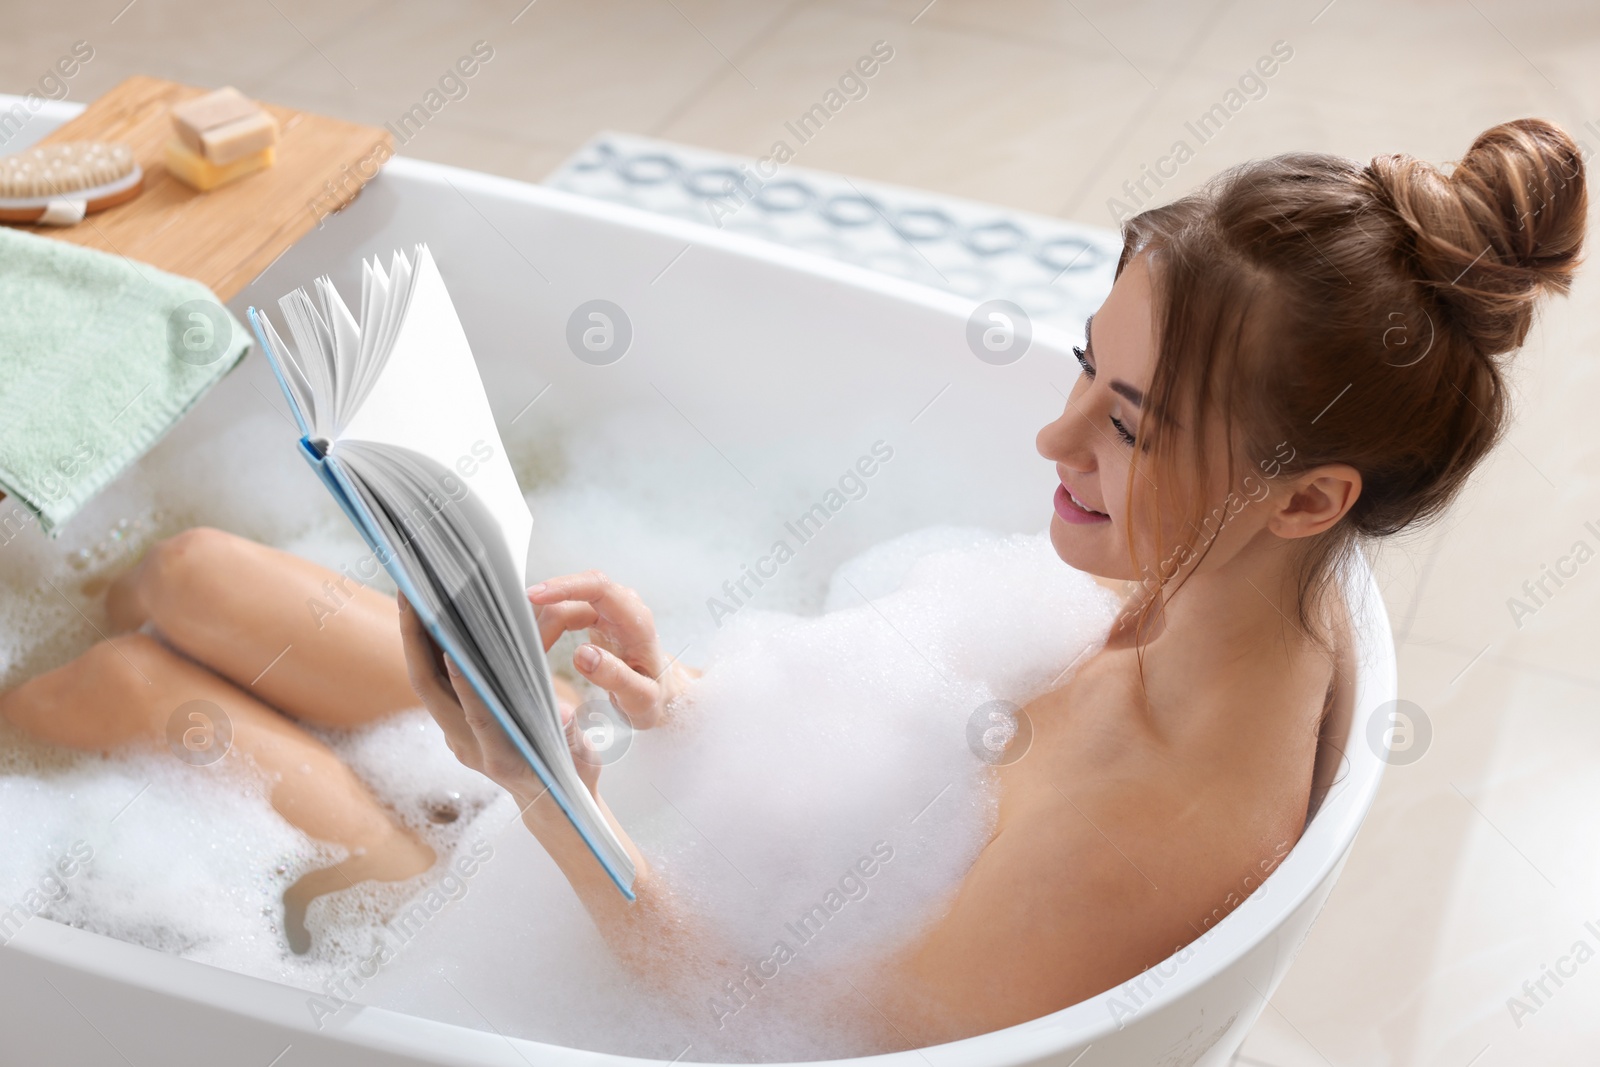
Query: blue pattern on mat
point(1057, 271)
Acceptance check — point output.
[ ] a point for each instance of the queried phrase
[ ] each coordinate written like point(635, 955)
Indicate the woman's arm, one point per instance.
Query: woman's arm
point(658, 938)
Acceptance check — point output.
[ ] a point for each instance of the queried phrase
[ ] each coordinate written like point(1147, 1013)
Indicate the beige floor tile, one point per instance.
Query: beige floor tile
point(193, 41)
point(1275, 1042)
point(560, 73)
point(1528, 509)
point(989, 117)
point(1148, 34)
point(1354, 991)
point(1525, 894)
point(1336, 94)
point(1445, 906)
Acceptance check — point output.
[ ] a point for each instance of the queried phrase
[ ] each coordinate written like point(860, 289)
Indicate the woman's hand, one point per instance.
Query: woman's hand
point(623, 655)
point(470, 728)
point(478, 741)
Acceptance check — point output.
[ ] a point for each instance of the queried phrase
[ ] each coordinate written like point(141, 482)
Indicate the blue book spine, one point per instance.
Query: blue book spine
point(328, 471)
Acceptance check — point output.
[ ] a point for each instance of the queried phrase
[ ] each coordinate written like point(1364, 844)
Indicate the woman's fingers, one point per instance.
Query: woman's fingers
point(424, 662)
point(624, 654)
point(637, 696)
point(501, 760)
point(621, 622)
point(590, 585)
point(426, 665)
point(557, 619)
point(619, 607)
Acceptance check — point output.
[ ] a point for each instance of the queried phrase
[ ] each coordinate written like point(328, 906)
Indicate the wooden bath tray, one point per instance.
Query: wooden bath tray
point(227, 236)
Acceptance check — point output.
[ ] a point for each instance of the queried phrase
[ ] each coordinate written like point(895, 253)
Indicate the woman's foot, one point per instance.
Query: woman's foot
point(128, 689)
point(398, 858)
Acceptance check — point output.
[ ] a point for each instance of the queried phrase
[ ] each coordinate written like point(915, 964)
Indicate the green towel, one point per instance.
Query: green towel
point(99, 357)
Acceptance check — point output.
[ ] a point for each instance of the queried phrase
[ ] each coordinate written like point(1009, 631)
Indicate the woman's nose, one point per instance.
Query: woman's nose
point(1066, 441)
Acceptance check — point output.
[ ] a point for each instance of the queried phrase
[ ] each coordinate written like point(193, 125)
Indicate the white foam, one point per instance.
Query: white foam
point(161, 838)
point(813, 739)
point(808, 742)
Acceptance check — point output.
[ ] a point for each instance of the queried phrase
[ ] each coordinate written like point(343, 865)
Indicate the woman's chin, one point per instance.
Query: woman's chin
point(1083, 548)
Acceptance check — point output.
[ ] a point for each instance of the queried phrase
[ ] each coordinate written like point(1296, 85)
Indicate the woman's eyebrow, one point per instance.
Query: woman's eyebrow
point(1118, 386)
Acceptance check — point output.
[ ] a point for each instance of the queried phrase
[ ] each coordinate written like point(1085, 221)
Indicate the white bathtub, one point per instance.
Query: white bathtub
point(757, 345)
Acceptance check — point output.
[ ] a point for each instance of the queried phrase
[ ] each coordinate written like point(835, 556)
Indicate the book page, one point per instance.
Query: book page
point(461, 586)
point(430, 399)
point(420, 469)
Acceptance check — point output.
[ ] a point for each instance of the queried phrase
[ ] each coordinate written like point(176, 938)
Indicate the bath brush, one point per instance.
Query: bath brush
point(58, 184)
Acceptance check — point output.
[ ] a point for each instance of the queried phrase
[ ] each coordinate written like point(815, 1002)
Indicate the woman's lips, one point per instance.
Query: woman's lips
point(1071, 512)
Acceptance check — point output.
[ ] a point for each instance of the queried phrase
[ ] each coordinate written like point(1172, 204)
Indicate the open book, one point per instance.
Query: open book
point(395, 422)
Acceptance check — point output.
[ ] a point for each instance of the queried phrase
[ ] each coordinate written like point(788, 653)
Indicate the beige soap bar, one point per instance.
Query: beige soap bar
point(193, 117)
point(233, 141)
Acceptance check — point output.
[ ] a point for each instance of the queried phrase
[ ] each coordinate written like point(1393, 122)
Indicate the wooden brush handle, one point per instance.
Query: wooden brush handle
point(33, 214)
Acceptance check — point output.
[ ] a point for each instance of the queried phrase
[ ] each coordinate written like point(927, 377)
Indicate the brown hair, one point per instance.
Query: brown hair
point(1335, 312)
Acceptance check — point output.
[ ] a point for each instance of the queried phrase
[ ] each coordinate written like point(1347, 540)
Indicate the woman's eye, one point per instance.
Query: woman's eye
point(1122, 431)
point(1088, 369)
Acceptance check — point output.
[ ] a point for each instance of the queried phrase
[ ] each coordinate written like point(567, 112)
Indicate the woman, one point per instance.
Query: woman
point(1297, 358)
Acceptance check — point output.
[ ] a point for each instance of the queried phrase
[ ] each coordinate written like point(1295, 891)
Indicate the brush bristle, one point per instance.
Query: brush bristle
point(60, 170)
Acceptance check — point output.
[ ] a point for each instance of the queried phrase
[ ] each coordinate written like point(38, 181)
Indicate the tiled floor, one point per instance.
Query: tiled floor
point(1478, 867)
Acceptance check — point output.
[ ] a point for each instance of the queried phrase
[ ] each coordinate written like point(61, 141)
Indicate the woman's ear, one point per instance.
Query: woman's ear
point(1313, 501)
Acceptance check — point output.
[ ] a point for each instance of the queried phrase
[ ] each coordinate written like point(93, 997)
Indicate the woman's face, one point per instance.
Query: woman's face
point(1092, 443)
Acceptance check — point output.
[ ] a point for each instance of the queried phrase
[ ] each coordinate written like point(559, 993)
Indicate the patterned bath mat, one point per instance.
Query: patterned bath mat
point(1057, 271)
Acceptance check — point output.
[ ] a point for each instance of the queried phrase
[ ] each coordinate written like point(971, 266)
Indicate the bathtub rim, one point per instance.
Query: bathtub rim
point(1302, 872)
point(1045, 335)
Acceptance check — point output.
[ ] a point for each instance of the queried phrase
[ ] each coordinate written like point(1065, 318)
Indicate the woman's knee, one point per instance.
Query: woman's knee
point(188, 568)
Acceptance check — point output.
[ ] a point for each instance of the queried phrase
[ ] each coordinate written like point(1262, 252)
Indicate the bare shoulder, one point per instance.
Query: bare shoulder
point(1122, 837)
point(1050, 914)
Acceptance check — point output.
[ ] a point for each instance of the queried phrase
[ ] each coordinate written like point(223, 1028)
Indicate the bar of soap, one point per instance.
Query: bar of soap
point(234, 140)
point(200, 173)
point(193, 117)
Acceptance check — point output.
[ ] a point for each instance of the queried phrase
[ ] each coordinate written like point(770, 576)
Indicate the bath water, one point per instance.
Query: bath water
point(816, 791)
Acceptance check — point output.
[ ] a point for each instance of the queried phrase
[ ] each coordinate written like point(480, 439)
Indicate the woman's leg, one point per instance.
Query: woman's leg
point(125, 691)
point(314, 643)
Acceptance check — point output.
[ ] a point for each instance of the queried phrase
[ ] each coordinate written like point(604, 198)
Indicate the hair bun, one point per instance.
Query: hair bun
point(1502, 229)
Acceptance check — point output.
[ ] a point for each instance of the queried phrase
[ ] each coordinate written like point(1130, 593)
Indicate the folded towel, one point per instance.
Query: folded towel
point(99, 357)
